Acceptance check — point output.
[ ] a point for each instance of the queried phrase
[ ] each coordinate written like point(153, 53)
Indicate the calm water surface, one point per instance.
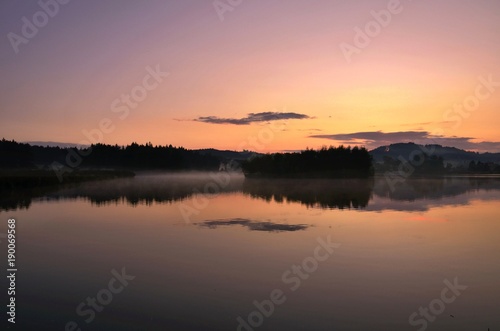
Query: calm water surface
point(201, 261)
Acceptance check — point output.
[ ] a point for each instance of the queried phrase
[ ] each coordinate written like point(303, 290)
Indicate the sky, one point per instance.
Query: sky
point(263, 75)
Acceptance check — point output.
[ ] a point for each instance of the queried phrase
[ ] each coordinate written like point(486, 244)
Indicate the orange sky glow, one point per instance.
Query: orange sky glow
point(433, 69)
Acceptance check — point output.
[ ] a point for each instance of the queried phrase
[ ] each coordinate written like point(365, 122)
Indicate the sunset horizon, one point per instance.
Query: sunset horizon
point(186, 74)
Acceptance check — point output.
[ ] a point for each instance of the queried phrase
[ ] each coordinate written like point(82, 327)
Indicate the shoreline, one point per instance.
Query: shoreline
point(11, 179)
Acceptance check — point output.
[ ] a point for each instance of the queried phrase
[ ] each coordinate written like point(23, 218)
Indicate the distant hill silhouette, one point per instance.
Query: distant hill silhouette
point(54, 144)
point(451, 155)
point(421, 160)
point(227, 155)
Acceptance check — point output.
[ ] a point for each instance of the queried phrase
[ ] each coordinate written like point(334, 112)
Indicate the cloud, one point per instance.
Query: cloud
point(374, 139)
point(254, 225)
point(252, 118)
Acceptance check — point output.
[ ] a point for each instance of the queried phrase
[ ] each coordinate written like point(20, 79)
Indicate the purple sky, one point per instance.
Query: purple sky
point(69, 82)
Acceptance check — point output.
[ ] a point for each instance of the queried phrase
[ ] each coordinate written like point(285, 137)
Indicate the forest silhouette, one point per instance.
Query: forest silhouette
point(325, 162)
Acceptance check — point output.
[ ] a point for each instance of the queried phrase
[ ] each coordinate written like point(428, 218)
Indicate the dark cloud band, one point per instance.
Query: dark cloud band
point(252, 118)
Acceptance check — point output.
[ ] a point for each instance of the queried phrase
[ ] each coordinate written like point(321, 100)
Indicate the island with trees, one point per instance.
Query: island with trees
point(332, 162)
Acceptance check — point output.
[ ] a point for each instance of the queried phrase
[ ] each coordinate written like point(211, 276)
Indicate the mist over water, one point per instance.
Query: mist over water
point(159, 187)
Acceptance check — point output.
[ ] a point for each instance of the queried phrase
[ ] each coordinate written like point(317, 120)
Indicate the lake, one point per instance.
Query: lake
point(217, 252)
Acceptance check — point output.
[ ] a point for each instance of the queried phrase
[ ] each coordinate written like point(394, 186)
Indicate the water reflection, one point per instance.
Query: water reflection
point(252, 225)
point(371, 194)
point(417, 195)
point(322, 193)
point(145, 189)
point(434, 188)
point(204, 274)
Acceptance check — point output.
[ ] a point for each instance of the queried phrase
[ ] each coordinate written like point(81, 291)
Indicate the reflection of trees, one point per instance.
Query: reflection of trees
point(134, 191)
point(323, 193)
point(13, 200)
point(433, 188)
point(152, 189)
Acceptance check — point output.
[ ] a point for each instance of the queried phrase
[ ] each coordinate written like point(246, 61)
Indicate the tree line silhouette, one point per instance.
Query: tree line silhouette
point(484, 167)
point(326, 162)
point(14, 155)
point(420, 164)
